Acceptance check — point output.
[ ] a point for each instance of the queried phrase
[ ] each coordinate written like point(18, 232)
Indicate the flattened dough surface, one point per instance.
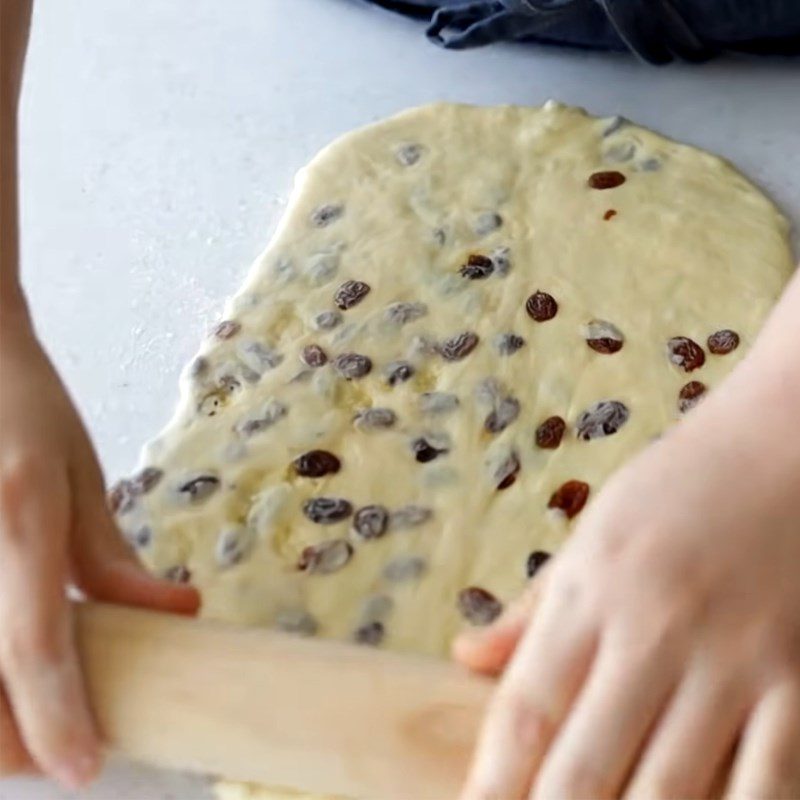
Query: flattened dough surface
point(684, 247)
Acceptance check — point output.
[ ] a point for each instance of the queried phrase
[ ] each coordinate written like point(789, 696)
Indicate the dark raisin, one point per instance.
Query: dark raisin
point(541, 306)
point(550, 432)
point(606, 180)
point(611, 213)
point(570, 498)
point(689, 395)
point(121, 497)
point(227, 329)
point(316, 463)
point(438, 402)
point(685, 353)
point(199, 488)
point(147, 479)
point(352, 365)
point(487, 222)
point(535, 561)
point(459, 346)
point(370, 419)
point(141, 537)
point(506, 474)
point(327, 320)
point(405, 568)
point(313, 356)
point(477, 267)
point(325, 557)
point(603, 337)
point(508, 343)
point(178, 574)
point(325, 215)
point(424, 451)
point(327, 510)
point(408, 154)
point(350, 294)
point(403, 313)
point(506, 411)
point(601, 419)
point(199, 367)
point(479, 606)
point(370, 522)
point(370, 633)
point(399, 372)
point(723, 342)
point(409, 516)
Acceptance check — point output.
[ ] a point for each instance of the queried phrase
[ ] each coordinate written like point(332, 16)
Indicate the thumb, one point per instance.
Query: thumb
point(489, 649)
point(107, 569)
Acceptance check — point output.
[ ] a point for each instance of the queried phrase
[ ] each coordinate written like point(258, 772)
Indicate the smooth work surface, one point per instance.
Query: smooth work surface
point(160, 139)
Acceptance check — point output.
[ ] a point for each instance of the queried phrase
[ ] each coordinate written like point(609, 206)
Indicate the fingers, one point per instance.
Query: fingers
point(768, 765)
point(608, 724)
point(37, 658)
point(106, 568)
point(14, 757)
point(535, 695)
point(687, 753)
point(488, 650)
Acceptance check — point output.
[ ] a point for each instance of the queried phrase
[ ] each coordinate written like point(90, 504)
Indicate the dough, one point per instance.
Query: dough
point(466, 320)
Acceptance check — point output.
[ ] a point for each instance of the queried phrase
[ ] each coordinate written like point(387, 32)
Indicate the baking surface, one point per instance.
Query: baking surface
point(159, 141)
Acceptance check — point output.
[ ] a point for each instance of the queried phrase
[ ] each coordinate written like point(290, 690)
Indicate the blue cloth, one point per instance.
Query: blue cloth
point(658, 31)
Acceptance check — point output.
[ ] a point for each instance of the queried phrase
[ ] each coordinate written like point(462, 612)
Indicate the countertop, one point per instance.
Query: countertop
point(159, 140)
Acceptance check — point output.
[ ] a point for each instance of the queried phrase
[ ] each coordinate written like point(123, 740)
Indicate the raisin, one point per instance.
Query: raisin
point(325, 215)
point(502, 261)
point(350, 294)
point(438, 402)
point(506, 411)
point(403, 313)
point(459, 346)
point(507, 344)
point(327, 510)
point(199, 488)
point(685, 353)
point(477, 267)
point(227, 329)
point(376, 606)
point(297, 621)
point(121, 497)
point(232, 546)
point(316, 463)
point(352, 365)
point(541, 306)
point(325, 557)
point(370, 419)
point(610, 214)
point(258, 357)
point(370, 522)
point(313, 356)
point(603, 337)
point(399, 372)
point(488, 391)
point(327, 320)
point(479, 606)
point(487, 222)
point(535, 562)
point(506, 474)
point(689, 395)
point(199, 367)
point(410, 516)
point(178, 574)
point(405, 568)
point(601, 419)
point(424, 451)
point(723, 342)
point(408, 154)
point(141, 537)
point(371, 633)
point(549, 434)
point(606, 180)
point(272, 411)
point(570, 498)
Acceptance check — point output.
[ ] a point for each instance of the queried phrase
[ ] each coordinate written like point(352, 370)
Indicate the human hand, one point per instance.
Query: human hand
point(666, 632)
point(55, 530)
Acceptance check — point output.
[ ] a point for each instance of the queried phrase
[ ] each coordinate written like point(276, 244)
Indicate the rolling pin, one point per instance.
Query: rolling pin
point(252, 705)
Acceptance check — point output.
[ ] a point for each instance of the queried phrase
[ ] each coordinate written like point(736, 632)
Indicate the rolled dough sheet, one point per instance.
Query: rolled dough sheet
point(368, 445)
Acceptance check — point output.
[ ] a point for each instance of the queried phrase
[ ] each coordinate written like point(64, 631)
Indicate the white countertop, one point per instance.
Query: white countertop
point(160, 138)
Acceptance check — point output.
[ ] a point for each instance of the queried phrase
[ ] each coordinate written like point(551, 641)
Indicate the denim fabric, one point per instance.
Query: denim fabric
point(656, 30)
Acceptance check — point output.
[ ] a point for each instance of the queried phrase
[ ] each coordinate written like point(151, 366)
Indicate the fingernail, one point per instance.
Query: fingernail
point(76, 773)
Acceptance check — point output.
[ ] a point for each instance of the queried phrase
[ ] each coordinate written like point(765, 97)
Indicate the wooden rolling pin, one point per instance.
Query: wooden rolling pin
point(258, 706)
